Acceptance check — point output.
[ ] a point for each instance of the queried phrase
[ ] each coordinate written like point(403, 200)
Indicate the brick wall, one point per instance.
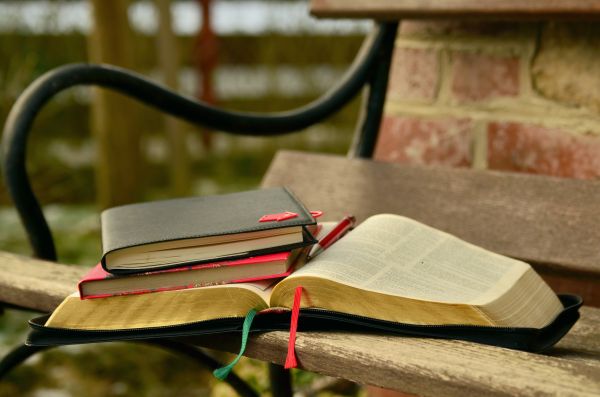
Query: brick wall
point(508, 96)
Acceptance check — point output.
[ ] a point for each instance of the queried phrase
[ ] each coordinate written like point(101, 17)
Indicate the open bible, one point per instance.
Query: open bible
point(389, 268)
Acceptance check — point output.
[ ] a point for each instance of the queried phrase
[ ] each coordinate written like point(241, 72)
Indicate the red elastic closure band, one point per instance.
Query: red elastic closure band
point(316, 214)
point(282, 216)
point(290, 360)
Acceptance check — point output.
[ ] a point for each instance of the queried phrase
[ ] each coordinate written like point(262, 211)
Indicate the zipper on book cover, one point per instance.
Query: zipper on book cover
point(572, 304)
point(329, 313)
point(337, 315)
point(128, 330)
point(519, 338)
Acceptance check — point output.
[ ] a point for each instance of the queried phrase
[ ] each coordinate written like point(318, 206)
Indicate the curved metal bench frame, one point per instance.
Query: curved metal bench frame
point(370, 68)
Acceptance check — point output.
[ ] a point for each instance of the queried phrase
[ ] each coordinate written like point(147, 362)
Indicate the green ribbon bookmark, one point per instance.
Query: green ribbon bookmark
point(221, 373)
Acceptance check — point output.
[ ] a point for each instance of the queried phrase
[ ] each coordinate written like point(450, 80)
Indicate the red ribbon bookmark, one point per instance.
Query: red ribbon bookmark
point(290, 360)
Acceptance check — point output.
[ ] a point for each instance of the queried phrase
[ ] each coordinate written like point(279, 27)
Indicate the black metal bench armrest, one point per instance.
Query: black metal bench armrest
point(21, 116)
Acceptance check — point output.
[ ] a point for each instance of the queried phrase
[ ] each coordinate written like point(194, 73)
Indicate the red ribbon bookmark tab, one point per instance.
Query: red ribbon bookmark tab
point(282, 216)
point(290, 360)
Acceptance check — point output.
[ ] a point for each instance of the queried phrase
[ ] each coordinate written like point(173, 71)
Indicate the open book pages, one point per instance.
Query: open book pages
point(162, 308)
point(397, 269)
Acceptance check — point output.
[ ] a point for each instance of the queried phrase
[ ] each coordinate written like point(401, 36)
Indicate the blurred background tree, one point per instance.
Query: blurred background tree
point(90, 149)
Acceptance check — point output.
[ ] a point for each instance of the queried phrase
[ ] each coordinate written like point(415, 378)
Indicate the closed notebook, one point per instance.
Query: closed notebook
point(157, 235)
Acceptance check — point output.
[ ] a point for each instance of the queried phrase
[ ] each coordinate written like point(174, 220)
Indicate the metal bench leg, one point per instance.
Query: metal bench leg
point(16, 357)
point(281, 381)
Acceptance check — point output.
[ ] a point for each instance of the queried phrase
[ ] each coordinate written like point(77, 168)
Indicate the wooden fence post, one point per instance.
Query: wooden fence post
point(119, 159)
point(168, 61)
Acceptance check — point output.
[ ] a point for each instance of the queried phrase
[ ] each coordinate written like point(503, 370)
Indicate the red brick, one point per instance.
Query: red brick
point(440, 141)
point(583, 286)
point(456, 28)
point(541, 150)
point(477, 77)
point(414, 74)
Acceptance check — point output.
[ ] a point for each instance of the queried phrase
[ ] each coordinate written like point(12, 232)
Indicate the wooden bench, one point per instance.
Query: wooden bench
point(504, 212)
point(457, 9)
point(487, 208)
point(478, 206)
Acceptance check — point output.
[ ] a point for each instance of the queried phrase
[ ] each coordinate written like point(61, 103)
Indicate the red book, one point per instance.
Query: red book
point(98, 283)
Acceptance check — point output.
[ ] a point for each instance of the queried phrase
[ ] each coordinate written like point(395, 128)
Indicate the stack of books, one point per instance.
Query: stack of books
point(390, 273)
point(172, 245)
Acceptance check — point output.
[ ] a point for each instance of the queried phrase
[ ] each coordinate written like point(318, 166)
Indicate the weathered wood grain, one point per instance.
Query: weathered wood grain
point(489, 9)
point(429, 367)
point(35, 284)
point(549, 222)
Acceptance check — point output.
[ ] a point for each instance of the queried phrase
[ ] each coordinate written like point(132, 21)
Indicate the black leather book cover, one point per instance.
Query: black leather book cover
point(195, 217)
point(527, 339)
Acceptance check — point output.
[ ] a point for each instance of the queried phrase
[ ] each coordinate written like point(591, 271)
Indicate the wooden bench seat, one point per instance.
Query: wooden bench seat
point(430, 367)
point(457, 9)
point(35, 284)
point(425, 366)
point(520, 215)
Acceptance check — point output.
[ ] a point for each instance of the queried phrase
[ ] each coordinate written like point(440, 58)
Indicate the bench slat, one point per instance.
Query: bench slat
point(490, 9)
point(430, 367)
point(35, 284)
point(549, 222)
